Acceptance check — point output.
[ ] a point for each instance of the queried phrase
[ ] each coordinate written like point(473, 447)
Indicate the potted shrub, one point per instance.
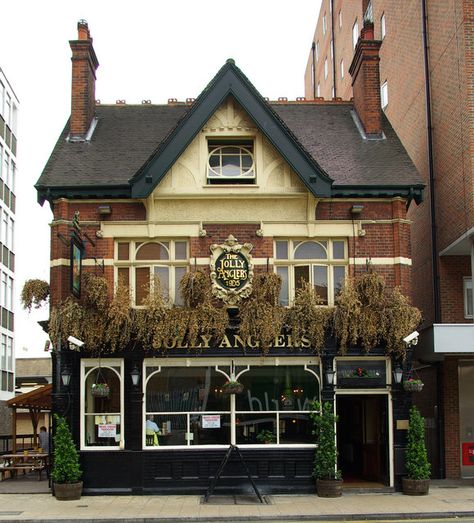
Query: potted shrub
point(417, 482)
point(66, 471)
point(266, 436)
point(326, 473)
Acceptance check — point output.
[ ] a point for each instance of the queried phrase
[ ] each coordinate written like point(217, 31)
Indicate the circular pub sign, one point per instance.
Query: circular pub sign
point(232, 270)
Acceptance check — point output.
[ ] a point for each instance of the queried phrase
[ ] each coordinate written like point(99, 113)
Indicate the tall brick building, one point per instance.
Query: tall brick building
point(144, 190)
point(425, 88)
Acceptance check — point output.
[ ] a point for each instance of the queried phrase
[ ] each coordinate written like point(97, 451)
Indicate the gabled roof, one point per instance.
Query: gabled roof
point(230, 81)
point(133, 146)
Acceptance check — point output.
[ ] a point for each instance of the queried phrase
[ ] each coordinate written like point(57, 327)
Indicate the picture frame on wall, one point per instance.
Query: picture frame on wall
point(76, 267)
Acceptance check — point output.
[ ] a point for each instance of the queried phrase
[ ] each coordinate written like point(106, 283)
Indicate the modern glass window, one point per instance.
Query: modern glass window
point(186, 406)
point(317, 50)
point(355, 34)
point(325, 24)
point(231, 162)
point(342, 68)
point(320, 262)
point(318, 90)
point(325, 68)
point(384, 95)
point(141, 263)
point(340, 19)
point(467, 284)
point(382, 26)
point(102, 415)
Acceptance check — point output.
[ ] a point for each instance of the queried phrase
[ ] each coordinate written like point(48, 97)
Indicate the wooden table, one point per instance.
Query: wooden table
point(31, 462)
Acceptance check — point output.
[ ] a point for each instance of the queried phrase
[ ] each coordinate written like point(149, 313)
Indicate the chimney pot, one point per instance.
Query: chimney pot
point(82, 30)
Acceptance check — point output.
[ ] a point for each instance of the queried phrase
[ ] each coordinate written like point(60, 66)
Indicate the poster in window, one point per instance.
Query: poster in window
point(76, 267)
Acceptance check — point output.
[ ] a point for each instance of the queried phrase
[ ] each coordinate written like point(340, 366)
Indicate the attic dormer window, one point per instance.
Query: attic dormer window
point(231, 162)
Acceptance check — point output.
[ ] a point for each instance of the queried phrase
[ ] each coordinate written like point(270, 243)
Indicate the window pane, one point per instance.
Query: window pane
point(284, 292)
point(123, 251)
point(286, 387)
point(172, 429)
point(281, 250)
point(124, 275)
point(142, 284)
point(301, 275)
point(468, 297)
point(320, 282)
point(295, 428)
point(249, 427)
point(102, 430)
point(179, 272)
point(162, 273)
point(210, 429)
point(338, 250)
point(310, 251)
point(181, 250)
point(186, 389)
point(152, 251)
point(339, 273)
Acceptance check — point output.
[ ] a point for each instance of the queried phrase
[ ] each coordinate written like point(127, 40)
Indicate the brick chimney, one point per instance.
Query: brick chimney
point(365, 74)
point(84, 65)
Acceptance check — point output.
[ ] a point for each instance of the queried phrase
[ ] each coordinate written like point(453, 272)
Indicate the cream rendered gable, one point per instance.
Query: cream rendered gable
point(184, 194)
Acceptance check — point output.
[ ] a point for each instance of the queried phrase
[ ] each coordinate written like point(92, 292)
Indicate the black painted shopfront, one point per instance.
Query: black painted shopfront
point(181, 391)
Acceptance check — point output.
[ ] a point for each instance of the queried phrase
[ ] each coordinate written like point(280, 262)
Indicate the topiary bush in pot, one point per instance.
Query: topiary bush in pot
point(66, 472)
point(417, 482)
point(326, 473)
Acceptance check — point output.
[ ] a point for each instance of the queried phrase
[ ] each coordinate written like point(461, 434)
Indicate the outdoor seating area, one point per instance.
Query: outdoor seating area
point(26, 461)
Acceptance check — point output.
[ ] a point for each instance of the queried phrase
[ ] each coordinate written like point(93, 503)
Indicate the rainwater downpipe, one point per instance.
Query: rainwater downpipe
point(313, 72)
point(434, 246)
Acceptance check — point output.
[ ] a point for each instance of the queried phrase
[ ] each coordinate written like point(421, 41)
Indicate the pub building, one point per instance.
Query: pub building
point(236, 185)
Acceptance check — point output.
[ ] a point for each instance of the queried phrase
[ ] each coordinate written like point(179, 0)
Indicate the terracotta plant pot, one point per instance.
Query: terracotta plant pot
point(68, 491)
point(329, 488)
point(415, 487)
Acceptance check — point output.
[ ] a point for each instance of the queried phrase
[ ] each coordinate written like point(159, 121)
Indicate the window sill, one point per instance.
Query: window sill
point(231, 186)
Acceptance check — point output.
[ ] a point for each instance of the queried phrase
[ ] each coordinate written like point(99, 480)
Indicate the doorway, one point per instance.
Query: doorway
point(362, 439)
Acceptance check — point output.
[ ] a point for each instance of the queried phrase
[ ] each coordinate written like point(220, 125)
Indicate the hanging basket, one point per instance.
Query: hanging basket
point(413, 385)
point(100, 390)
point(232, 387)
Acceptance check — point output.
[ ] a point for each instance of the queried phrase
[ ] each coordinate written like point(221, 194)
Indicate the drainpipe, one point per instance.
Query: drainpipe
point(472, 275)
point(434, 247)
point(313, 76)
point(431, 183)
point(333, 47)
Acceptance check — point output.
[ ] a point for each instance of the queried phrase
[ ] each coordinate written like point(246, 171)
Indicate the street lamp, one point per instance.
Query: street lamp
point(135, 375)
point(66, 376)
point(398, 375)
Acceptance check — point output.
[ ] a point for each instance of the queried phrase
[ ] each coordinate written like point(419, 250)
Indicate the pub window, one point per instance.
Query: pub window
point(467, 284)
point(231, 162)
point(320, 262)
point(186, 406)
point(140, 264)
point(102, 415)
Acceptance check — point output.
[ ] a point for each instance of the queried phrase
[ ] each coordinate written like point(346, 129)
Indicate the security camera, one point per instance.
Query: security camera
point(412, 338)
point(75, 341)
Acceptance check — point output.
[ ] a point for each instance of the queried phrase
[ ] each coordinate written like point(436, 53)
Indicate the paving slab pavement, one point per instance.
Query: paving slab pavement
point(442, 502)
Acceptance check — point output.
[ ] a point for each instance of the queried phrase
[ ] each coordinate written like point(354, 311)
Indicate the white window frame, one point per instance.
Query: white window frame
point(384, 95)
point(227, 362)
point(330, 262)
point(132, 263)
point(355, 34)
point(245, 150)
point(108, 364)
point(467, 286)
point(382, 27)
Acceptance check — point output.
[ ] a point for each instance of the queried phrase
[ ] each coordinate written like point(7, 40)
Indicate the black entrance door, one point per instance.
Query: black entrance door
point(362, 438)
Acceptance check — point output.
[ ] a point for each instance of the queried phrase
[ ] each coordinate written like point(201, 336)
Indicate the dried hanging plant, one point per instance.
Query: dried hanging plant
point(119, 318)
point(346, 315)
point(260, 316)
point(34, 293)
point(307, 318)
point(149, 323)
point(195, 288)
point(96, 292)
point(65, 320)
point(401, 319)
point(370, 288)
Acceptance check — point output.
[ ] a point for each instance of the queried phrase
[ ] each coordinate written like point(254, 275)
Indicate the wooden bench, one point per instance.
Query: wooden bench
point(25, 468)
